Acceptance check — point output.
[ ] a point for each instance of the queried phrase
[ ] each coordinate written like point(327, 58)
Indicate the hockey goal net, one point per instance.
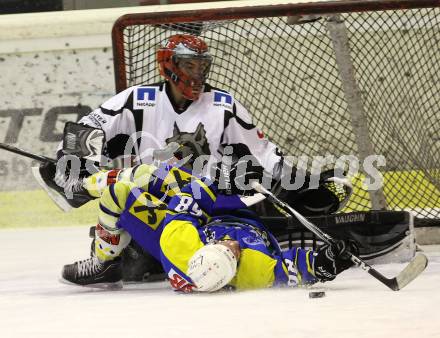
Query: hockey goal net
point(322, 78)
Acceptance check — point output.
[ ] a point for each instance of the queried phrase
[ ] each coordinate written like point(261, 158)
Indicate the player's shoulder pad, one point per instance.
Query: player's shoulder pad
point(115, 104)
point(240, 115)
point(220, 97)
point(146, 95)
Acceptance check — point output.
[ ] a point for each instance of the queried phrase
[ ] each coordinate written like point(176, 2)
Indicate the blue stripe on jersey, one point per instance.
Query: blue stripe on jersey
point(301, 263)
point(107, 211)
point(133, 172)
point(161, 173)
point(113, 195)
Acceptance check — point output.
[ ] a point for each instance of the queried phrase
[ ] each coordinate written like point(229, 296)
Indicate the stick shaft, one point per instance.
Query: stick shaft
point(391, 283)
point(25, 153)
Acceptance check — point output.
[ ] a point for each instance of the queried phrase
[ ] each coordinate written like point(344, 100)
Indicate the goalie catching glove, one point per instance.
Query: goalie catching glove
point(65, 189)
point(81, 153)
point(331, 194)
point(331, 259)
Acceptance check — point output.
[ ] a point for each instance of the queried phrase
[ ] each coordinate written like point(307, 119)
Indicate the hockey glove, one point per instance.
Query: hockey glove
point(331, 259)
point(84, 142)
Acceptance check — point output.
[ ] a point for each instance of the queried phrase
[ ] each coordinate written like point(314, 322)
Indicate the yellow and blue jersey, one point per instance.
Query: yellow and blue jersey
point(194, 222)
point(138, 200)
point(173, 214)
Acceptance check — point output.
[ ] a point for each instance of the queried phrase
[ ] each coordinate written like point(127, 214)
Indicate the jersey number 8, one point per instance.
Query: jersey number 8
point(187, 203)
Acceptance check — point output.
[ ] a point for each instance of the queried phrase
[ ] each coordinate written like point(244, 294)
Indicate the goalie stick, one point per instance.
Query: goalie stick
point(64, 206)
point(25, 153)
point(415, 267)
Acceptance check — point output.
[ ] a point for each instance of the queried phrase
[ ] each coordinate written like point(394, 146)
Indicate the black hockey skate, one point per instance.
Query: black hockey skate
point(94, 273)
point(137, 265)
point(67, 193)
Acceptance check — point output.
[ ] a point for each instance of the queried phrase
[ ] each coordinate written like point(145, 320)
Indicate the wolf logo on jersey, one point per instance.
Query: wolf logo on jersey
point(194, 144)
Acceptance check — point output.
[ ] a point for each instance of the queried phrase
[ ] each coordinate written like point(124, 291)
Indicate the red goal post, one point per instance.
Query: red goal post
point(320, 77)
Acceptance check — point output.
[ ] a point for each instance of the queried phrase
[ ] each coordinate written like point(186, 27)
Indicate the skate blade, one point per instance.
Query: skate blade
point(102, 286)
point(54, 196)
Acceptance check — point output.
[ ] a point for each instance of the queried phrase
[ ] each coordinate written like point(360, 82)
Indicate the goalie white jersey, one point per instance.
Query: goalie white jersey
point(141, 119)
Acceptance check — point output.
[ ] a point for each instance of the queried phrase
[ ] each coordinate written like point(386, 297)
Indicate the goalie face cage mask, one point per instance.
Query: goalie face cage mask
point(184, 60)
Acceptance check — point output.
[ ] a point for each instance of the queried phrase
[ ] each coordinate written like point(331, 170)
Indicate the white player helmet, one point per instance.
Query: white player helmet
point(212, 267)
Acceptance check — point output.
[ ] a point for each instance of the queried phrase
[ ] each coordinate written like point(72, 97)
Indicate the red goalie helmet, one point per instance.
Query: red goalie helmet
point(184, 60)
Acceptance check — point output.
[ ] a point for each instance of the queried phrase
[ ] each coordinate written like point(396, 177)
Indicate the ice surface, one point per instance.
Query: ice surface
point(34, 304)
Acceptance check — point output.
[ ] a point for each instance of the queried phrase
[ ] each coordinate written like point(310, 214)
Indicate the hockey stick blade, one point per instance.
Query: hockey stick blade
point(417, 265)
point(414, 268)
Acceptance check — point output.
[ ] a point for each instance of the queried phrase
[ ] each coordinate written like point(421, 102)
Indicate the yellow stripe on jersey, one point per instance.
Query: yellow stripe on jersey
point(309, 267)
point(206, 189)
point(142, 175)
point(255, 270)
point(179, 242)
point(174, 181)
point(114, 202)
point(286, 271)
point(296, 264)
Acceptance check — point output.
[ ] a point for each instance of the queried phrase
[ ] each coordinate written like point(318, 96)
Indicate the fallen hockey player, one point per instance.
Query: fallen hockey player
point(205, 240)
point(184, 112)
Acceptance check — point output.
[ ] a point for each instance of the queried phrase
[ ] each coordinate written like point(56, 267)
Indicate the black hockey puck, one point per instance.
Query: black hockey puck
point(316, 294)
